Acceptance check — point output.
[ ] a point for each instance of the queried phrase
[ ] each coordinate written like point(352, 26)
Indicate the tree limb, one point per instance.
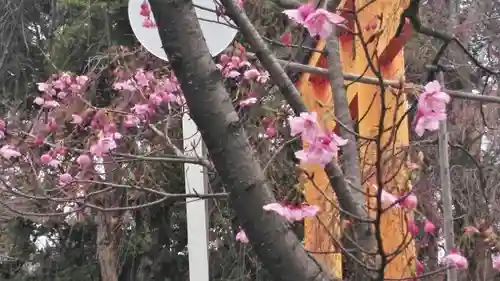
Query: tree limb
point(210, 107)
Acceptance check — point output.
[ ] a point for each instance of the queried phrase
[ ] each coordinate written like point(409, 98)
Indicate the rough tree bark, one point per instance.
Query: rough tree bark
point(210, 107)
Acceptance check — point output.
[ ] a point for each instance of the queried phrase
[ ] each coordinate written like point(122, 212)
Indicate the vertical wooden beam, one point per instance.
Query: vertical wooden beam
point(368, 113)
point(319, 231)
point(393, 222)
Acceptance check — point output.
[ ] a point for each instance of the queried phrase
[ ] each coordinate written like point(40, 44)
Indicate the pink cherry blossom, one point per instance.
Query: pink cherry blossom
point(84, 161)
point(469, 230)
point(248, 102)
point(260, 77)
point(62, 95)
point(286, 38)
point(44, 87)
point(142, 110)
point(412, 228)
point(387, 199)
point(410, 201)
point(39, 101)
point(66, 78)
point(76, 119)
point(82, 79)
point(321, 23)
point(306, 124)
point(148, 23)
point(456, 260)
point(8, 152)
point(431, 108)
point(59, 84)
point(242, 237)
point(45, 159)
point(127, 85)
point(419, 268)
point(54, 163)
point(292, 212)
point(233, 74)
point(65, 179)
point(429, 227)
point(104, 145)
point(270, 131)
point(321, 150)
point(145, 10)
point(300, 14)
point(131, 121)
point(495, 262)
point(50, 104)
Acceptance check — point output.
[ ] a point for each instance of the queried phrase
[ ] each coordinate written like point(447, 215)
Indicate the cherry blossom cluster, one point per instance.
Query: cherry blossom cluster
point(431, 108)
point(145, 11)
point(156, 91)
point(319, 22)
point(57, 89)
point(236, 68)
point(321, 146)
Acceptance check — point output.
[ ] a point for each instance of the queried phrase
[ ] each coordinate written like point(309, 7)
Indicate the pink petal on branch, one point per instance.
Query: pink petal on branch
point(305, 123)
point(84, 161)
point(242, 237)
point(65, 179)
point(456, 260)
point(429, 227)
point(76, 119)
point(8, 152)
point(321, 22)
point(412, 228)
point(45, 159)
point(300, 15)
point(419, 267)
point(431, 108)
point(410, 201)
point(248, 102)
point(286, 38)
point(292, 212)
point(39, 101)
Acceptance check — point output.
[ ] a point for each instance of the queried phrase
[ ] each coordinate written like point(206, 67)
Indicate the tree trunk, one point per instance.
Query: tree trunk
point(210, 107)
point(107, 248)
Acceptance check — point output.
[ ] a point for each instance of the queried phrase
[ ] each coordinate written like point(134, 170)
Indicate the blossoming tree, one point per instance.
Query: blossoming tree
point(87, 161)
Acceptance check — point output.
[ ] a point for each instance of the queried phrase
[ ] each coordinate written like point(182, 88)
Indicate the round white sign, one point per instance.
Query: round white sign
point(218, 36)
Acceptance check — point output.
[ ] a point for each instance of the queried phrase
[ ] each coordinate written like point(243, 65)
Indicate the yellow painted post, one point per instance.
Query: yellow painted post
point(366, 101)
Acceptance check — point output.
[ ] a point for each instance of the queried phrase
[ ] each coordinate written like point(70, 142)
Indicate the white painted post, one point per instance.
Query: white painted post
point(196, 209)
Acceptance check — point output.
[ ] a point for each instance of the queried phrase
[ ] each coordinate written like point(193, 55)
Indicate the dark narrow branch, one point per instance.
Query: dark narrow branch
point(210, 107)
point(412, 14)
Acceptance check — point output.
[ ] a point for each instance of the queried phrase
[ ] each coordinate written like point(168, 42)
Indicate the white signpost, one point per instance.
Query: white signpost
point(218, 37)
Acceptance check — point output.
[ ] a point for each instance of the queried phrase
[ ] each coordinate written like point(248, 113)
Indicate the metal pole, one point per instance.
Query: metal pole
point(446, 197)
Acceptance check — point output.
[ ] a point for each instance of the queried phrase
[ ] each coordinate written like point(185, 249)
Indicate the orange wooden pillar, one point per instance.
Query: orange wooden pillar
point(365, 103)
point(319, 231)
